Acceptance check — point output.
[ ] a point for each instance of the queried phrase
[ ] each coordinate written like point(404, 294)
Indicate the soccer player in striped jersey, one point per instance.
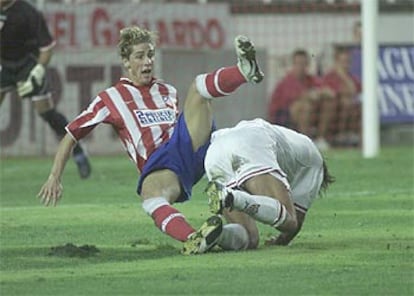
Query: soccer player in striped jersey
point(266, 173)
point(167, 146)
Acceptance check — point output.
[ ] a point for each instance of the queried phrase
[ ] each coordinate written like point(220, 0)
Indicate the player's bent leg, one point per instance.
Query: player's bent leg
point(159, 190)
point(198, 117)
point(269, 202)
point(222, 82)
point(161, 183)
point(268, 209)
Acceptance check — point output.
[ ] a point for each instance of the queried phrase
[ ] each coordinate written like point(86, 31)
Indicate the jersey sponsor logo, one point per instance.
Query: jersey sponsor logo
point(155, 117)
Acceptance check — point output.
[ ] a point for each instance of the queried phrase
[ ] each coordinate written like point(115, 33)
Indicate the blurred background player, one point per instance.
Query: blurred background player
point(346, 88)
point(168, 147)
point(26, 49)
point(298, 98)
point(266, 173)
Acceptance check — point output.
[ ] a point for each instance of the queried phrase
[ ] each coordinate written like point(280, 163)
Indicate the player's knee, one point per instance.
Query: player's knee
point(194, 97)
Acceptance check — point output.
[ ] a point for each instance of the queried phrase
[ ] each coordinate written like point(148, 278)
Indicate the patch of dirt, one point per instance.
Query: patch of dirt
point(71, 250)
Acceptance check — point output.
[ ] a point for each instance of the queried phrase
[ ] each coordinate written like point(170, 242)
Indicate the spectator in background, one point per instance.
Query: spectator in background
point(26, 49)
point(346, 87)
point(356, 32)
point(300, 102)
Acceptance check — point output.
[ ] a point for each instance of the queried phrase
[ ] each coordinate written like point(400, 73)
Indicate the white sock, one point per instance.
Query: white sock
point(262, 208)
point(233, 237)
point(151, 204)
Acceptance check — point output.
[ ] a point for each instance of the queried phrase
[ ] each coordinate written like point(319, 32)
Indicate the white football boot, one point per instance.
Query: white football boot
point(246, 59)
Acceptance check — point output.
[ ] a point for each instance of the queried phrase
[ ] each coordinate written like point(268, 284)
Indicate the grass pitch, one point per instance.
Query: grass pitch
point(357, 240)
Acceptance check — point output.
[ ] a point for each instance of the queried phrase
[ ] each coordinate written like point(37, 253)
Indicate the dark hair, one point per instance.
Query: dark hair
point(300, 52)
point(327, 178)
point(339, 50)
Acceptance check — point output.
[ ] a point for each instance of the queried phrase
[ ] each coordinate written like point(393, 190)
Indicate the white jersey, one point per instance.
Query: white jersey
point(257, 147)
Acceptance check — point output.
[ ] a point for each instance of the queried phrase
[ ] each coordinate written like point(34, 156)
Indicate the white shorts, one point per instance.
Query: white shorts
point(235, 156)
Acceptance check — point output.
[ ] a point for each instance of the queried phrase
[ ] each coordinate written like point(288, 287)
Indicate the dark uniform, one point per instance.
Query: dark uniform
point(23, 35)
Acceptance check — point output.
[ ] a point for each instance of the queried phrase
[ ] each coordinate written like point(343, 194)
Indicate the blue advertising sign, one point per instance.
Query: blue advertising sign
point(396, 81)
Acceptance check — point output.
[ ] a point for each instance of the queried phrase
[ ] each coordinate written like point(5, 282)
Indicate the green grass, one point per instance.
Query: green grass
point(357, 240)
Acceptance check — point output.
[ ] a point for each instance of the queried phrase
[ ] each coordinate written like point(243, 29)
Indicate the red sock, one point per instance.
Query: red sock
point(221, 82)
point(172, 222)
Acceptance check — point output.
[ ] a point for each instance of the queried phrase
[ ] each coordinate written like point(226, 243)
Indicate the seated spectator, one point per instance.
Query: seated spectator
point(346, 89)
point(300, 102)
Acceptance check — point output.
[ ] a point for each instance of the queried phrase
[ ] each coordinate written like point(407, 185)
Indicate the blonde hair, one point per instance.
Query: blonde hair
point(130, 36)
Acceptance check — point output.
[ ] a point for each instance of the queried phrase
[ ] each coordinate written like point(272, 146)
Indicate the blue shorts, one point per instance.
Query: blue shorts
point(178, 156)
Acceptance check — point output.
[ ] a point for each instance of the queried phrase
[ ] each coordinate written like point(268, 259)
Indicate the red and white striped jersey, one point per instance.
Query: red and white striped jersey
point(144, 117)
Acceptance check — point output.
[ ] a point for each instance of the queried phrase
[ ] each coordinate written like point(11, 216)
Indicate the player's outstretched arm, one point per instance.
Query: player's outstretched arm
point(51, 191)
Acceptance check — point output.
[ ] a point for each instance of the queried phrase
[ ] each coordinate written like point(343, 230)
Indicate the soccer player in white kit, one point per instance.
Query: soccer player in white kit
point(266, 173)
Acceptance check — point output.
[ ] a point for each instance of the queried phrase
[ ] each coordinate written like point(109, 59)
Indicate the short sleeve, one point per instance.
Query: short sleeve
point(39, 30)
point(85, 122)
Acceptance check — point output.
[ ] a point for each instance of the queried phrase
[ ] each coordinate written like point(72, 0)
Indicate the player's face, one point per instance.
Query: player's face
point(344, 61)
point(300, 65)
point(140, 64)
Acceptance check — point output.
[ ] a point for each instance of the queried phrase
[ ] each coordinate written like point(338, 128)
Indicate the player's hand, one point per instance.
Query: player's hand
point(327, 92)
point(51, 191)
point(33, 82)
point(313, 95)
point(280, 240)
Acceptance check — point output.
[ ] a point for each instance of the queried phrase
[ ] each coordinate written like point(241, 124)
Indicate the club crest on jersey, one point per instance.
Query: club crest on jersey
point(155, 117)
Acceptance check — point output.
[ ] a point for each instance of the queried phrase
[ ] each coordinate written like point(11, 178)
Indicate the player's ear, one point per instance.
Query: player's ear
point(126, 63)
